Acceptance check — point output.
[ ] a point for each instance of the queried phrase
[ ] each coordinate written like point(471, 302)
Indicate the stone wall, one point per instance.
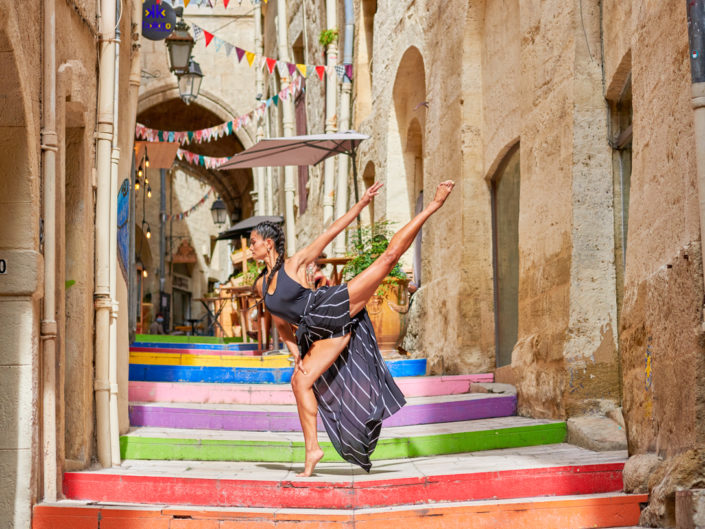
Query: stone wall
point(661, 337)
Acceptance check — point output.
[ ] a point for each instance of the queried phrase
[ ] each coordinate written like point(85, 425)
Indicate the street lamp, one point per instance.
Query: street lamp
point(179, 44)
point(219, 212)
point(190, 82)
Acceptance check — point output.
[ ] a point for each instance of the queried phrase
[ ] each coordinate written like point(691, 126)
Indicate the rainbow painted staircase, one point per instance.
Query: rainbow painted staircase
point(215, 443)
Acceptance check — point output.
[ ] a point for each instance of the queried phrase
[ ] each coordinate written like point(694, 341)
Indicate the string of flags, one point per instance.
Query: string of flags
point(286, 69)
point(185, 137)
point(184, 214)
point(209, 162)
point(208, 3)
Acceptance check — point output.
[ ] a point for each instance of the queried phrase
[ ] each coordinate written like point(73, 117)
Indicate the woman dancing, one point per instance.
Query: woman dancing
point(338, 367)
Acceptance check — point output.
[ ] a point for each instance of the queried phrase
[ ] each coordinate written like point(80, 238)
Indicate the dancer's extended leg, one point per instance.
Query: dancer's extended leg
point(319, 358)
point(363, 286)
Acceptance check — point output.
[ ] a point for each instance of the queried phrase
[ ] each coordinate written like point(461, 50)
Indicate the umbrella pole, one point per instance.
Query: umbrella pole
point(357, 193)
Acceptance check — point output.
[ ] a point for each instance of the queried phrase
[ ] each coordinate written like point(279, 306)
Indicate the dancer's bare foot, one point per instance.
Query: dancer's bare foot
point(442, 192)
point(312, 459)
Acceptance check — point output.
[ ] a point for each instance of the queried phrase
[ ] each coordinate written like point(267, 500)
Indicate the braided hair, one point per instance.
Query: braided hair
point(271, 230)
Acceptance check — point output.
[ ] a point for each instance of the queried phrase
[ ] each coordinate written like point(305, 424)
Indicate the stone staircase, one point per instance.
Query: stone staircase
point(215, 443)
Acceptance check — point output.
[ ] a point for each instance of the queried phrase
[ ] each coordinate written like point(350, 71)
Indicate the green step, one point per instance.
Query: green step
point(166, 338)
point(399, 443)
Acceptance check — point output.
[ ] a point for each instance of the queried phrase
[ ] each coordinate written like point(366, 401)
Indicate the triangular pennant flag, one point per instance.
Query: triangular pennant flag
point(186, 3)
point(321, 71)
point(209, 37)
point(292, 68)
point(302, 69)
point(230, 127)
point(190, 135)
point(275, 99)
point(240, 54)
point(197, 32)
point(218, 43)
point(229, 48)
point(283, 70)
point(250, 57)
point(226, 2)
point(270, 64)
point(348, 71)
point(269, 101)
point(340, 71)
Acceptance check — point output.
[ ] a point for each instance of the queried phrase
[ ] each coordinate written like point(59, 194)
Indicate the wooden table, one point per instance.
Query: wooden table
point(336, 277)
point(246, 298)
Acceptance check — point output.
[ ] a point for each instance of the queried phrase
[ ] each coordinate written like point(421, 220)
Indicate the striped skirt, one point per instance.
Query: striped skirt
point(357, 392)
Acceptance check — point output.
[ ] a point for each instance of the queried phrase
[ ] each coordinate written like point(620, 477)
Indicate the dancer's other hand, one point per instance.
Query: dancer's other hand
point(299, 364)
point(371, 192)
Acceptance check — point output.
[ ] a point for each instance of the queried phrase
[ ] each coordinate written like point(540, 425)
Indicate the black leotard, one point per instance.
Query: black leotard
point(289, 299)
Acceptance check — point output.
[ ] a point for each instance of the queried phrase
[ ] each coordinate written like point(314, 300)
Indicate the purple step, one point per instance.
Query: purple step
point(419, 410)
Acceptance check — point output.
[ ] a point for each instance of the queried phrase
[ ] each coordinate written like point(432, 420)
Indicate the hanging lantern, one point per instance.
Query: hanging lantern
point(179, 44)
point(149, 191)
point(137, 184)
point(190, 82)
point(219, 212)
point(148, 234)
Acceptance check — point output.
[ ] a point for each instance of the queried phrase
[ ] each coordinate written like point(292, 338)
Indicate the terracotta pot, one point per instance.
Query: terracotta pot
point(386, 309)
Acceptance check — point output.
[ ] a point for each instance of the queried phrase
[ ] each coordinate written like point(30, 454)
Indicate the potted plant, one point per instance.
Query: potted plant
point(391, 300)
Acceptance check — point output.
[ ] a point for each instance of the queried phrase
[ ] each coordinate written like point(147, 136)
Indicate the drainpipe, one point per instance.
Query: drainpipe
point(259, 195)
point(696, 32)
point(132, 98)
point(289, 170)
point(331, 93)
point(102, 299)
point(112, 352)
point(341, 196)
point(49, 146)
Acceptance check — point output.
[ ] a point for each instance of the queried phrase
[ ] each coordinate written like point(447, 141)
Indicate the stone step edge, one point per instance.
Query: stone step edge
point(506, 484)
point(602, 510)
point(233, 393)
point(286, 418)
point(160, 448)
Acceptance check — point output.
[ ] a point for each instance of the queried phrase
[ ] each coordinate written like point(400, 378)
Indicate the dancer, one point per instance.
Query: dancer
point(338, 367)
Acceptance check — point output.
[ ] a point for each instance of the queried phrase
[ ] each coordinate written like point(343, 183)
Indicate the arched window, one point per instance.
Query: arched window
point(505, 243)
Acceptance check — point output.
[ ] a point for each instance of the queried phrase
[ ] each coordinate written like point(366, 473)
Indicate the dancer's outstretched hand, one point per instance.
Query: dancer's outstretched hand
point(372, 191)
point(442, 191)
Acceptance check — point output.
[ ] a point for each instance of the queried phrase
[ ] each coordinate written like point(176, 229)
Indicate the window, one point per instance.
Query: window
point(505, 242)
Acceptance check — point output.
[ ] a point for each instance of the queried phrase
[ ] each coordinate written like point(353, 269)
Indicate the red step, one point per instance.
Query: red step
point(359, 493)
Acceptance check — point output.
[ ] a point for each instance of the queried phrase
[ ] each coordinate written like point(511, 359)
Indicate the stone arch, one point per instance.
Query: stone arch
point(21, 286)
point(405, 139)
point(233, 186)
point(505, 188)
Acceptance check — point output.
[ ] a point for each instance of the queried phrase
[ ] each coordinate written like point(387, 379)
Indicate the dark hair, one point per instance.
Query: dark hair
point(271, 230)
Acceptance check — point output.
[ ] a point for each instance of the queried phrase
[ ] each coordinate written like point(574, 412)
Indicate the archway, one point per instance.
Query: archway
point(20, 201)
point(505, 188)
point(405, 140)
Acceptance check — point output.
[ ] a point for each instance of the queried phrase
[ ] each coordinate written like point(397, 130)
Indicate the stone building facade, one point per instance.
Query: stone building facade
point(49, 88)
point(568, 258)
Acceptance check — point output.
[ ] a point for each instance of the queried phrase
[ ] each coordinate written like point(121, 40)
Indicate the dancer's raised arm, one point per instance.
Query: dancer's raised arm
point(313, 250)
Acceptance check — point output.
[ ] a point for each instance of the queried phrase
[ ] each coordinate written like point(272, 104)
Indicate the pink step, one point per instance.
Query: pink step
point(140, 391)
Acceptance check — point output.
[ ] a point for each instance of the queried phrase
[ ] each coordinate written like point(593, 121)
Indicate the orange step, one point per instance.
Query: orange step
point(569, 512)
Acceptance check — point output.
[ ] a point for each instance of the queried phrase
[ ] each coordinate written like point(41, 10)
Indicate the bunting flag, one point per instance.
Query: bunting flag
point(184, 214)
point(186, 137)
point(209, 162)
point(285, 68)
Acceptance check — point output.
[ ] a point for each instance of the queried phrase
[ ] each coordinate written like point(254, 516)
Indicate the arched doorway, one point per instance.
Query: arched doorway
point(505, 188)
point(405, 141)
point(21, 267)
point(182, 210)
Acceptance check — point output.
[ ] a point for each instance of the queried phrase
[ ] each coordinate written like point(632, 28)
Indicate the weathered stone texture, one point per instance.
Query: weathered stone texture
point(636, 472)
point(684, 471)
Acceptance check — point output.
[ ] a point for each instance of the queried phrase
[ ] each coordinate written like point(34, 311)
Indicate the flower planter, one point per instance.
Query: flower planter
point(386, 309)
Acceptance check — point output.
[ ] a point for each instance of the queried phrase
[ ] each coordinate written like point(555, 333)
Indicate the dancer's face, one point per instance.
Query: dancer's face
point(259, 246)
